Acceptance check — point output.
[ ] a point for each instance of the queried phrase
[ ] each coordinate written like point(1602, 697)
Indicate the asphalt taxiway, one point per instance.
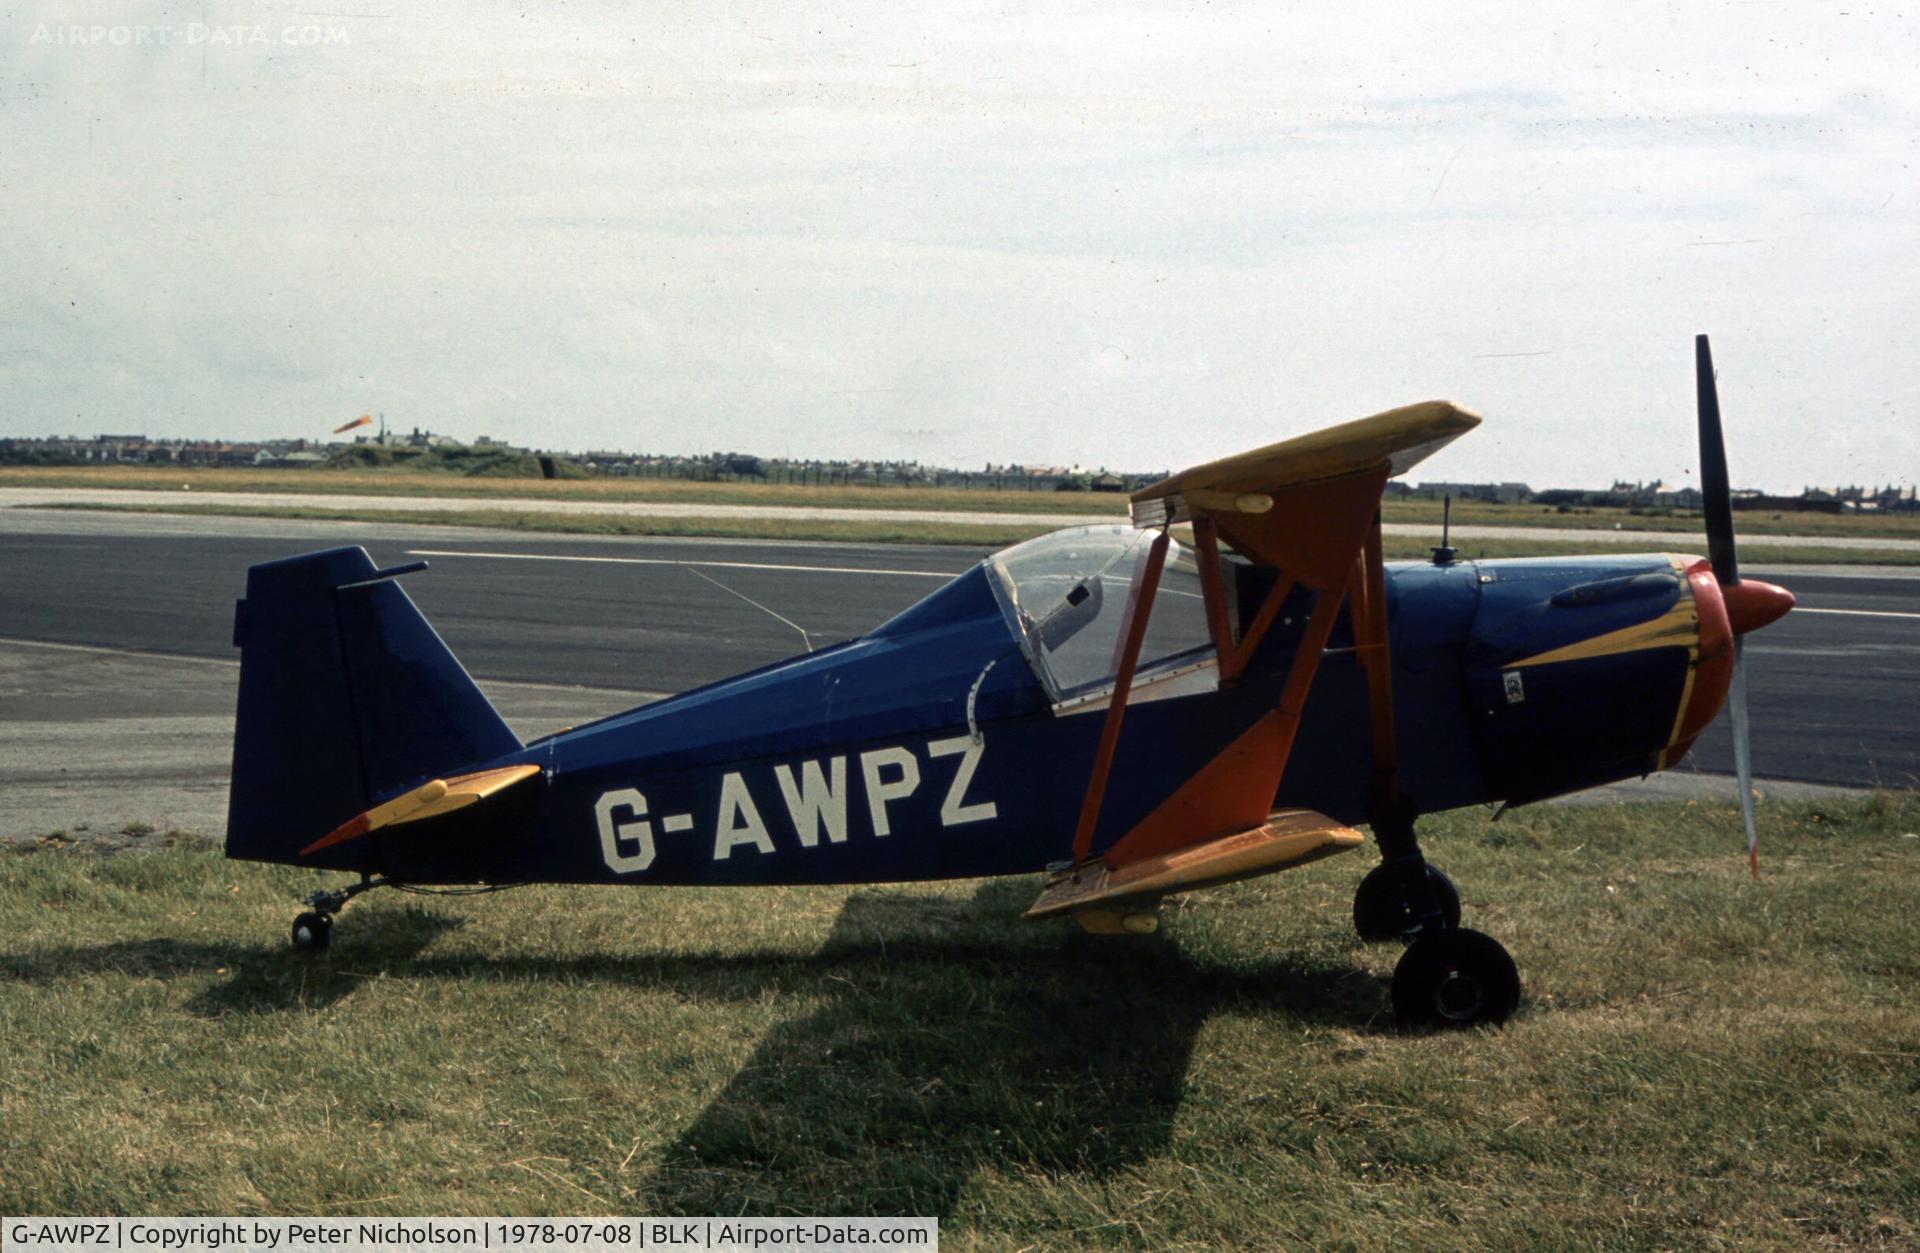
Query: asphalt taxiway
point(117, 671)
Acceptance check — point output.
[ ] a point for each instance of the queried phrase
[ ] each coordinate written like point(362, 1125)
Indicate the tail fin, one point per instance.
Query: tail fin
point(346, 697)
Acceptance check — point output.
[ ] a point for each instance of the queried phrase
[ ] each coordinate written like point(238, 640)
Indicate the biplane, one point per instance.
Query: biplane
point(1130, 711)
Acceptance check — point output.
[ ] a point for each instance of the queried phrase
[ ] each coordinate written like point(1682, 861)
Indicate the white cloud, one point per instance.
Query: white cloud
point(1114, 234)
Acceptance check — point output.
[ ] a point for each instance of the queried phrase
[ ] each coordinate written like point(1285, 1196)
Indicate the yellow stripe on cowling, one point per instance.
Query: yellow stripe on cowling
point(1676, 628)
point(1679, 715)
point(1693, 664)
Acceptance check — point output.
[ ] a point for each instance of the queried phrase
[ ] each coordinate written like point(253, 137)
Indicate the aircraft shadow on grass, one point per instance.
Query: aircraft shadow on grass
point(934, 1059)
point(259, 978)
point(941, 1049)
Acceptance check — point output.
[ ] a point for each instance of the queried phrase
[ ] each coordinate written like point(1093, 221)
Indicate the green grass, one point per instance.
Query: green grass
point(884, 530)
point(1701, 1061)
point(409, 480)
point(877, 530)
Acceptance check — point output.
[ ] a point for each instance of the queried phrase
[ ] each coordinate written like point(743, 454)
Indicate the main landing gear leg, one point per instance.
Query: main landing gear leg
point(1450, 975)
point(313, 930)
point(1404, 895)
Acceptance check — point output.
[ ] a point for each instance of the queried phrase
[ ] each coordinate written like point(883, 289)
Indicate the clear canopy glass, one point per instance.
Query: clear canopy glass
point(1069, 594)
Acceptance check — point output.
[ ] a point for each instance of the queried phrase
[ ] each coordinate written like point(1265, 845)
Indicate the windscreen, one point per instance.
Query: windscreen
point(1070, 593)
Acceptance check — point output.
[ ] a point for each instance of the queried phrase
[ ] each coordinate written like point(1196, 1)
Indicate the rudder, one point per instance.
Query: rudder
point(347, 696)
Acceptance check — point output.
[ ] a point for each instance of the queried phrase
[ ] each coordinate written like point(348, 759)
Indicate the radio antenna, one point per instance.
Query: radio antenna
point(1445, 554)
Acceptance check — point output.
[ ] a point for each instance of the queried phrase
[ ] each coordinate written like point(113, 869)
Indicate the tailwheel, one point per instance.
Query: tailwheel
point(1386, 905)
point(313, 931)
point(1455, 978)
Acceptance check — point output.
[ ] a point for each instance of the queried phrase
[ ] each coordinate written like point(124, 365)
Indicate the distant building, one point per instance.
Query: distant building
point(1500, 493)
point(1892, 499)
point(1654, 495)
point(290, 458)
point(118, 447)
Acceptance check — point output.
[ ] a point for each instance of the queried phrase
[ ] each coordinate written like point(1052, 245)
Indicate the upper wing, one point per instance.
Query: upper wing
point(1397, 440)
point(1305, 504)
point(1310, 507)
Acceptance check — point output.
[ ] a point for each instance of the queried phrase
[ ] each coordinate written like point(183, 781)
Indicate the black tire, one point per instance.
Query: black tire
point(312, 932)
point(1381, 910)
point(1457, 978)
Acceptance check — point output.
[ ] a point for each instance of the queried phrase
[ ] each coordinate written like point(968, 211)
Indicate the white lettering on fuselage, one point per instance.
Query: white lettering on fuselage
point(953, 810)
point(879, 791)
point(739, 820)
point(816, 804)
point(817, 799)
point(612, 833)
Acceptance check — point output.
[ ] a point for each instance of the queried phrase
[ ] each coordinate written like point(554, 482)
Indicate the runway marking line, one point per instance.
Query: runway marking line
point(668, 561)
point(147, 654)
point(1863, 613)
point(108, 651)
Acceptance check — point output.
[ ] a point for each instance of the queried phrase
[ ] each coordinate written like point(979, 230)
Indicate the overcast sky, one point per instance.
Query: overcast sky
point(1125, 235)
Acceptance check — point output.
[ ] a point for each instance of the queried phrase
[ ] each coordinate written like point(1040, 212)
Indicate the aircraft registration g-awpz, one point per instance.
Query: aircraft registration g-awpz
point(1131, 715)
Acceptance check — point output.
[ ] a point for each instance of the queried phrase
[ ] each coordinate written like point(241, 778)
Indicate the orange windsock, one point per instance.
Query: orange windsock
point(365, 419)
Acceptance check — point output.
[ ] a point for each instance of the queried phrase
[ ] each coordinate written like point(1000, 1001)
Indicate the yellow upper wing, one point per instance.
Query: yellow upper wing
point(1398, 439)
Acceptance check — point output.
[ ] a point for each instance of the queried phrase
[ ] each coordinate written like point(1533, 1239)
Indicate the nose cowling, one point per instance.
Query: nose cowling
point(1752, 604)
point(1725, 612)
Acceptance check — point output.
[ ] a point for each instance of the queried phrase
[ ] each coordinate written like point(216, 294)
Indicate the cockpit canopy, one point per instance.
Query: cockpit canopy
point(1067, 595)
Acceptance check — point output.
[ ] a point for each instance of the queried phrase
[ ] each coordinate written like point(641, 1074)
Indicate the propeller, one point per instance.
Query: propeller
point(1750, 604)
point(1716, 493)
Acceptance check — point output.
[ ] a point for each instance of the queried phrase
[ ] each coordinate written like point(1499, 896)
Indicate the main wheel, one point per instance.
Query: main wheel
point(312, 931)
point(1381, 910)
point(1455, 978)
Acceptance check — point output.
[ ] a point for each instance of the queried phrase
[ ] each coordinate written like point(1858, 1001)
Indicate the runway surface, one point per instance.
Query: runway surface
point(138, 610)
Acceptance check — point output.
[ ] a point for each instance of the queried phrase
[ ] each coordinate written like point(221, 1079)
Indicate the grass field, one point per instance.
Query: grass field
point(1701, 1062)
point(883, 530)
point(399, 481)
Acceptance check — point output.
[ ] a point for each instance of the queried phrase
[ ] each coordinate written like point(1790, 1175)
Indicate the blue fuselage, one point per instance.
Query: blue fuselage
point(932, 748)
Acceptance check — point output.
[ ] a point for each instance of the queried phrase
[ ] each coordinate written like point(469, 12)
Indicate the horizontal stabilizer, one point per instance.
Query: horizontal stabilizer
point(1288, 838)
point(429, 800)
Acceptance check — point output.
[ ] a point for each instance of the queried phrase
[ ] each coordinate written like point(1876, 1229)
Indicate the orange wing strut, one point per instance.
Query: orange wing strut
point(1306, 662)
point(1235, 790)
point(1369, 615)
point(1234, 662)
point(1213, 589)
point(1233, 658)
point(1140, 606)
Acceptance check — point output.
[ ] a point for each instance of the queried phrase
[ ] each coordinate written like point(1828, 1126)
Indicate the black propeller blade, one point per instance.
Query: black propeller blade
point(1717, 503)
point(1717, 494)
